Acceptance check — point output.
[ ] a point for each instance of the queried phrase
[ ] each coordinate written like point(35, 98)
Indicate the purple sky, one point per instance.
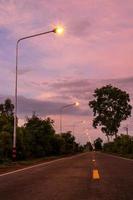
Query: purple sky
point(95, 50)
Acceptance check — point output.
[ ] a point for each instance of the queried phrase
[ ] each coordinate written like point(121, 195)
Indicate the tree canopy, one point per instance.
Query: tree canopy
point(110, 107)
point(36, 138)
point(6, 116)
point(98, 144)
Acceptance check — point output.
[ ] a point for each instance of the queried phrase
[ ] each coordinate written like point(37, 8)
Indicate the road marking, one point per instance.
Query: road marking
point(41, 164)
point(95, 174)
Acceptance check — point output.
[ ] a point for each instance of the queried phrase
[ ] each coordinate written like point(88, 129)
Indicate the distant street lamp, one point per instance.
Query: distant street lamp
point(61, 111)
point(59, 30)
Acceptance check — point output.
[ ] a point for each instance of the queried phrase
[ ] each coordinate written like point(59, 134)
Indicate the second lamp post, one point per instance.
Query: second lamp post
point(61, 111)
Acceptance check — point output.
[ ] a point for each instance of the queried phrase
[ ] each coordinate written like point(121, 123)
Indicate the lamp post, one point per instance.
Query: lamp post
point(59, 30)
point(61, 111)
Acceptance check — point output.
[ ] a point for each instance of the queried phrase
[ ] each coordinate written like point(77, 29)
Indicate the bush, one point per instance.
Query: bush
point(121, 145)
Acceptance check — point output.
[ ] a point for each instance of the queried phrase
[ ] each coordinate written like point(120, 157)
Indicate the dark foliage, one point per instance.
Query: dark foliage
point(122, 145)
point(98, 144)
point(110, 107)
point(37, 138)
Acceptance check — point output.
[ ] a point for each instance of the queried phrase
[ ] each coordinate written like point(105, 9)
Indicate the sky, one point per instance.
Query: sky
point(95, 50)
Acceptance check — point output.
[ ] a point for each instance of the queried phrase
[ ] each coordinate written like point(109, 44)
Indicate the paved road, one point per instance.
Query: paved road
point(71, 179)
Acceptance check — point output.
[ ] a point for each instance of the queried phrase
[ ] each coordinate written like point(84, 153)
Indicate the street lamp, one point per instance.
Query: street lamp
point(59, 30)
point(61, 111)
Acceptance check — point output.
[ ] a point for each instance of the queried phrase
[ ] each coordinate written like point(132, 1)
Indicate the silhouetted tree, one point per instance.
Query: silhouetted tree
point(36, 138)
point(38, 133)
point(69, 140)
point(6, 116)
point(5, 145)
point(123, 145)
point(88, 146)
point(98, 144)
point(110, 107)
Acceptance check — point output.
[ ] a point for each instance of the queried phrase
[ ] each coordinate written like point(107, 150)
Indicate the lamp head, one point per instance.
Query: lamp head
point(59, 30)
point(76, 103)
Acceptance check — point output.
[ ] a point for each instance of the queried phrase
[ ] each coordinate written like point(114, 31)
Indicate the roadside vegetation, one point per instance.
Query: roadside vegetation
point(35, 139)
point(98, 144)
point(122, 145)
point(110, 107)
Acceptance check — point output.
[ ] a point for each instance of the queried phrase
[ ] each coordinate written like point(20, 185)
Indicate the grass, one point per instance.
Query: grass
point(130, 156)
point(9, 165)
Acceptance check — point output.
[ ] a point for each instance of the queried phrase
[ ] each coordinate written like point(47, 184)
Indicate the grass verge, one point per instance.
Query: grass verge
point(9, 166)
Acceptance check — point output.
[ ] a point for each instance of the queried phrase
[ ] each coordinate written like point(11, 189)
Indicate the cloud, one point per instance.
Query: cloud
point(27, 106)
point(83, 89)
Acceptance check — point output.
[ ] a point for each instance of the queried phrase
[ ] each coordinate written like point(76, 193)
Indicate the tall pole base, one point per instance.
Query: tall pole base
point(14, 154)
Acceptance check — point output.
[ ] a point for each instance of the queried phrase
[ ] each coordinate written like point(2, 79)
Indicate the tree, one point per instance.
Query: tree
point(58, 144)
point(5, 145)
point(98, 144)
point(38, 134)
point(88, 146)
point(69, 140)
point(110, 107)
point(8, 107)
point(6, 116)
point(123, 145)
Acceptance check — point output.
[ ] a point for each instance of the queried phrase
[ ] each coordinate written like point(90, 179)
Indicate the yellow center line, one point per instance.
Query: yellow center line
point(95, 171)
point(95, 174)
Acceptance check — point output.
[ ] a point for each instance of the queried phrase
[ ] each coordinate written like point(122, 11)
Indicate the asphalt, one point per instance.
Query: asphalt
point(72, 179)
